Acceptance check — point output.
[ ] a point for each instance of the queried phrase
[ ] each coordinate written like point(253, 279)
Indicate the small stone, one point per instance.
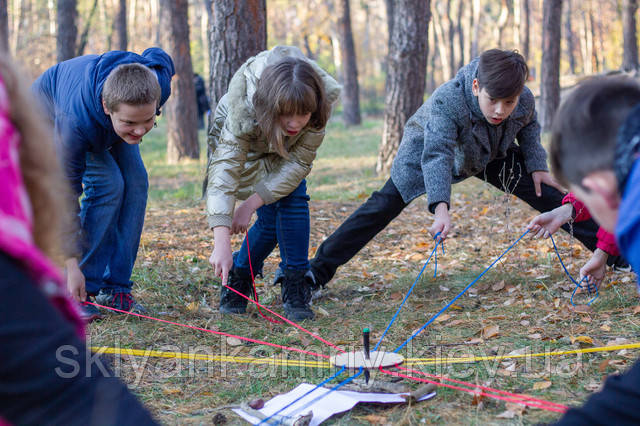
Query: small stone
point(256, 404)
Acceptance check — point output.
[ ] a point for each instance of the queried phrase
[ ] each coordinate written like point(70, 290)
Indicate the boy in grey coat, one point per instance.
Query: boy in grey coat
point(468, 127)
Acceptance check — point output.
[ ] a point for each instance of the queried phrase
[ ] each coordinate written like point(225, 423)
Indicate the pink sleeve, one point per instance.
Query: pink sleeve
point(607, 242)
point(580, 209)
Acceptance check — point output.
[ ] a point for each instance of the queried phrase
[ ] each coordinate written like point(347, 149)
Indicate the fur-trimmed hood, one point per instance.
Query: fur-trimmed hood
point(242, 116)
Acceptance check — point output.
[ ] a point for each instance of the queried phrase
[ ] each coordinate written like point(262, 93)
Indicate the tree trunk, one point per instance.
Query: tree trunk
point(629, 32)
point(461, 35)
point(467, 29)
point(405, 76)
point(390, 9)
point(570, 37)
point(585, 44)
point(120, 26)
point(503, 18)
point(4, 28)
point(84, 36)
point(451, 40)
point(67, 29)
point(181, 108)
point(350, 88)
point(525, 35)
point(476, 28)
point(550, 82)
point(239, 31)
point(438, 27)
point(595, 63)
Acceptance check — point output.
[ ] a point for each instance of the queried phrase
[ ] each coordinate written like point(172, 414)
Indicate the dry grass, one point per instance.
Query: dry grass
point(523, 301)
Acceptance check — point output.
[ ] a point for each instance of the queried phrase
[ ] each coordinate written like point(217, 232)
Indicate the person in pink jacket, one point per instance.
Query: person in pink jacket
point(46, 377)
point(573, 209)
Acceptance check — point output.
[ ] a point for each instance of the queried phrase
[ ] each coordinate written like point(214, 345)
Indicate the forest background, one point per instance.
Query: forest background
point(389, 55)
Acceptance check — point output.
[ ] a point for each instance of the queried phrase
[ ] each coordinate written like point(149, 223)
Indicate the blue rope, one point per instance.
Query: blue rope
point(573, 279)
point(433, 252)
point(459, 294)
point(265, 420)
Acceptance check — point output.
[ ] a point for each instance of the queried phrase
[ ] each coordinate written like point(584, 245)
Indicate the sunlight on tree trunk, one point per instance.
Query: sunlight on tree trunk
point(350, 88)
point(406, 74)
point(550, 81)
point(181, 108)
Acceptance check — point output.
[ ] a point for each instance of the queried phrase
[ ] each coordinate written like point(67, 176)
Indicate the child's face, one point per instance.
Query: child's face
point(495, 110)
point(601, 197)
point(132, 122)
point(294, 123)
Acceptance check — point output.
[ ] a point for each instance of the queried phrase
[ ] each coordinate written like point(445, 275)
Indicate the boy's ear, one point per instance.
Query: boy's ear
point(475, 87)
point(604, 183)
point(104, 107)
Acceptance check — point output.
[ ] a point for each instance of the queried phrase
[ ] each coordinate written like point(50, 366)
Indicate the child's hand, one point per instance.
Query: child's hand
point(242, 215)
point(221, 258)
point(548, 223)
point(595, 268)
point(539, 177)
point(75, 280)
point(442, 222)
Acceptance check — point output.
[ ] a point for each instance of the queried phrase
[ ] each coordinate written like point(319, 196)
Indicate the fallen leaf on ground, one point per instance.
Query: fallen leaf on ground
point(490, 331)
point(582, 339)
point(375, 419)
point(442, 317)
point(498, 286)
point(541, 385)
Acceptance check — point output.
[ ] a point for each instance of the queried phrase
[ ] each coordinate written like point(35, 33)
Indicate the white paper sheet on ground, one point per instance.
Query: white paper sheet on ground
point(325, 407)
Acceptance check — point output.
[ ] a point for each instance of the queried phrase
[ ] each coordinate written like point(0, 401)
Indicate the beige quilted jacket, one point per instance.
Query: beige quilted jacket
point(242, 162)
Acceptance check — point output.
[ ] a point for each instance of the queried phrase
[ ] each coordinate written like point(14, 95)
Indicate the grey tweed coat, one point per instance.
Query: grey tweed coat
point(448, 140)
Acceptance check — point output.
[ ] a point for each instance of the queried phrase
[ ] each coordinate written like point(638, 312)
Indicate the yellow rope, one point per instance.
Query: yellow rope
point(429, 361)
point(322, 364)
point(213, 358)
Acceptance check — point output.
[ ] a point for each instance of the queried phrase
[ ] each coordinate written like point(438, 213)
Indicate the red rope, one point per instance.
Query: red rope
point(315, 336)
point(253, 282)
point(261, 342)
point(532, 402)
point(515, 395)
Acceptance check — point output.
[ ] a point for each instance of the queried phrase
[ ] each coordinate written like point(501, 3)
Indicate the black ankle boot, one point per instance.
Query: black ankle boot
point(231, 302)
point(296, 295)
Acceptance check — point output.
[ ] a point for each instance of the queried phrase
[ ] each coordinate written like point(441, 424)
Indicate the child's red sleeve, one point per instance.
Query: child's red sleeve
point(581, 212)
point(606, 240)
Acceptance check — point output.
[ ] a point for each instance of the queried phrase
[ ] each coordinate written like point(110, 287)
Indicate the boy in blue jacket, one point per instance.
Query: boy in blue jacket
point(600, 162)
point(101, 107)
point(467, 127)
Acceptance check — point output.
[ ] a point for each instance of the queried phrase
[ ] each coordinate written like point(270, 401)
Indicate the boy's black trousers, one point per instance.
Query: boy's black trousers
point(507, 174)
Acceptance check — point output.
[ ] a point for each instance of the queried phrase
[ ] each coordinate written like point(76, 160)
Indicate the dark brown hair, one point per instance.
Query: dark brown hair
point(47, 190)
point(502, 73)
point(585, 127)
point(290, 86)
point(132, 84)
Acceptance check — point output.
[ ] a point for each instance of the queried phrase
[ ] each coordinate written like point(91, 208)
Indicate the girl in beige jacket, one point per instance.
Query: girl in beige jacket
point(264, 138)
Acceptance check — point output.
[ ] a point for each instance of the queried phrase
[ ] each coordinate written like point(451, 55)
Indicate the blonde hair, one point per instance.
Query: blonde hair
point(290, 86)
point(132, 84)
point(47, 190)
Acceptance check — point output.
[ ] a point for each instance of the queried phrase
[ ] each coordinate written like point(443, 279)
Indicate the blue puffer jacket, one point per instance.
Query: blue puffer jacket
point(71, 93)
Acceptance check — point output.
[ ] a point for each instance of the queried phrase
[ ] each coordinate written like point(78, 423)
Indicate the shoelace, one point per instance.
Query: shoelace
point(295, 294)
point(124, 297)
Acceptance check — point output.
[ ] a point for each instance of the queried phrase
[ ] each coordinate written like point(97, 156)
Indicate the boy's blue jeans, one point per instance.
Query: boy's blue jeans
point(285, 223)
point(111, 215)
